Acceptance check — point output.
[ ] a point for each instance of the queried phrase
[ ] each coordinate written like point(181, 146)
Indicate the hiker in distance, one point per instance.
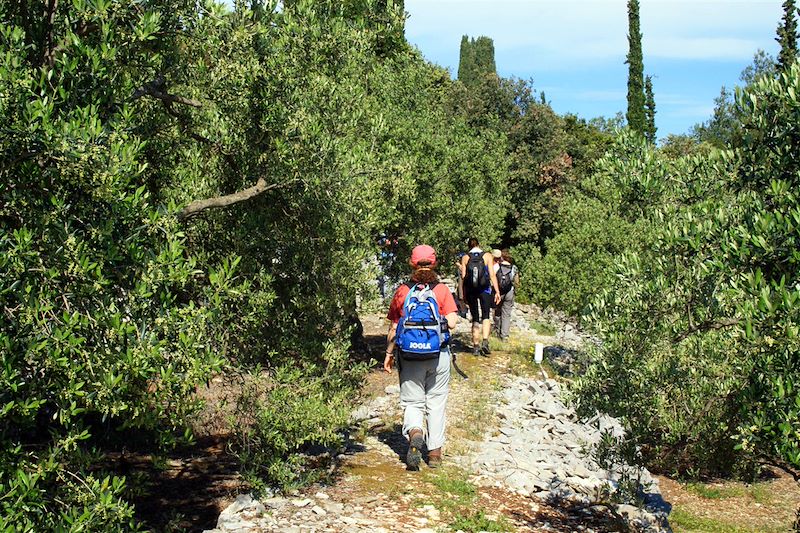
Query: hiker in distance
point(478, 282)
point(508, 281)
point(421, 315)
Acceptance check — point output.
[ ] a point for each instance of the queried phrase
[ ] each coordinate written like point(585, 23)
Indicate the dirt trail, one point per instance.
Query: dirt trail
point(372, 490)
point(375, 492)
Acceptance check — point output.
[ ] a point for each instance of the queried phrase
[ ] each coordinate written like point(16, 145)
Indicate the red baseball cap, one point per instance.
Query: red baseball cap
point(423, 252)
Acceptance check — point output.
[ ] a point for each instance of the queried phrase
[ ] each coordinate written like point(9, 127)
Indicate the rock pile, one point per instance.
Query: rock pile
point(307, 514)
point(525, 317)
point(567, 362)
point(542, 450)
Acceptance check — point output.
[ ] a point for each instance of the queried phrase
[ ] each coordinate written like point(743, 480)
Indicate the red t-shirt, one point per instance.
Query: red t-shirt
point(443, 297)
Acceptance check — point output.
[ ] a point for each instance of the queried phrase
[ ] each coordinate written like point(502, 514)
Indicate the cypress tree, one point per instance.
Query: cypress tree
point(649, 111)
point(635, 115)
point(787, 35)
point(484, 57)
point(466, 61)
point(476, 60)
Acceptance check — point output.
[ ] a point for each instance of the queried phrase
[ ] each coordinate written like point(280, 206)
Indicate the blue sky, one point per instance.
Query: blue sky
point(575, 49)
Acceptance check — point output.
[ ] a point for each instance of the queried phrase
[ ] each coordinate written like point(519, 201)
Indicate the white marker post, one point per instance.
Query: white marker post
point(538, 353)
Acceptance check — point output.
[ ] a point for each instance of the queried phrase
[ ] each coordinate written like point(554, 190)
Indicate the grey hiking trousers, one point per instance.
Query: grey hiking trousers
point(424, 386)
point(502, 314)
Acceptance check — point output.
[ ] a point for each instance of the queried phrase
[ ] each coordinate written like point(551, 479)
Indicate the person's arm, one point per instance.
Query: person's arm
point(489, 260)
point(452, 320)
point(388, 361)
point(395, 312)
point(462, 268)
point(448, 308)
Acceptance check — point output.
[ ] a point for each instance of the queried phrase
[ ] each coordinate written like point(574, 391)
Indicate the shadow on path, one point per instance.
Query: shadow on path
point(394, 439)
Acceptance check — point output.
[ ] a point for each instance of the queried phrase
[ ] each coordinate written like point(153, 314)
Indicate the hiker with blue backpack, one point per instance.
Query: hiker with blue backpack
point(421, 316)
point(480, 290)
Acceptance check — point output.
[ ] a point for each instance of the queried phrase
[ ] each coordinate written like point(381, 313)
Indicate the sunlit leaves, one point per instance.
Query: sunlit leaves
point(712, 315)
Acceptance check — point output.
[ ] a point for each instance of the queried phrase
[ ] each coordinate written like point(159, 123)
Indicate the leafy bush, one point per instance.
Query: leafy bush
point(42, 495)
point(700, 353)
point(97, 329)
point(478, 521)
point(606, 215)
point(527, 257)
point(279, 417)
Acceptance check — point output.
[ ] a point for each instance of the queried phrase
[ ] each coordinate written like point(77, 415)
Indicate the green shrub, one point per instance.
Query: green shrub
point(478, 521)
point(701, 352)
point(98, 326)
point(116, 305)
point(280, 414)
point(606, 215)
point(39, 494)
point(527, 257)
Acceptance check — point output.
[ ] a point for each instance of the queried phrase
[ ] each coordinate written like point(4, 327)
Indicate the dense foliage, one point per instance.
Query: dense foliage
point(700, 352)
point(476, 60)
point(787, 35)
point(120, 298)
point(650, 129)
point(683, 260)
point(604, 215)
point(192, 191)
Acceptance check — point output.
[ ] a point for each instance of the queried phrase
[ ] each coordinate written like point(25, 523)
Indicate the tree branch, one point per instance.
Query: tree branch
point(155, 89)
point(48, 57)
point(706, 326)
point(198, 206)
point(186, 129)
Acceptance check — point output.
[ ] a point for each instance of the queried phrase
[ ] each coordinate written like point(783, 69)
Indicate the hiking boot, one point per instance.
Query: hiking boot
point(435, 458)
point(415, 443)
point(476, 350)
point(485, 347)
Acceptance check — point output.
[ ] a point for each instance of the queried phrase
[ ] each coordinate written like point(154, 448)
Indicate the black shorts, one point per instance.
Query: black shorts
point(485, 299)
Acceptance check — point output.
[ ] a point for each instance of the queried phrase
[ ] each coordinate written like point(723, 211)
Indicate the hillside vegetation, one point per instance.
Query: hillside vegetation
point(191, 190)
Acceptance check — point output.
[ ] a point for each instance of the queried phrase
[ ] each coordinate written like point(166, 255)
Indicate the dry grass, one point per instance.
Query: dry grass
point(728, 506)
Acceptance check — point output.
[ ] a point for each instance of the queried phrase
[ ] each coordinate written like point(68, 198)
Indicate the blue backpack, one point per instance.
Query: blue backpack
point(421, 333)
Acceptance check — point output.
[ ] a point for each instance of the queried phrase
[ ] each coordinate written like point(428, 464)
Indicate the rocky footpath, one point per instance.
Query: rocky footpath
point(538, 452)
point(542, 449)
point(306, 514)
point(529, 457)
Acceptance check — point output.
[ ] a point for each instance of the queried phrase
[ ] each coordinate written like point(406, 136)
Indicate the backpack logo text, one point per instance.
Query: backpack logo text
point(419, 345)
